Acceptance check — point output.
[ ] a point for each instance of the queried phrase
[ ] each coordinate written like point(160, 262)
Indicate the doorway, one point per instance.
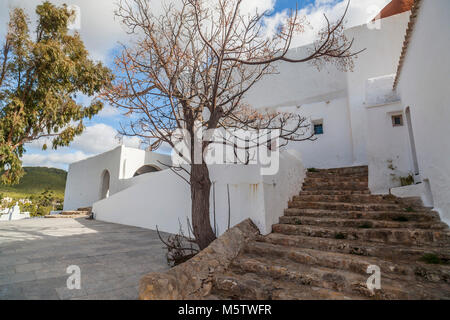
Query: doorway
point(411, 141)
point(104, 190)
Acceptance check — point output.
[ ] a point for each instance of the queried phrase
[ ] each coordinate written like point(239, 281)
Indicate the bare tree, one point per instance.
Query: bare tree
point(190, 68)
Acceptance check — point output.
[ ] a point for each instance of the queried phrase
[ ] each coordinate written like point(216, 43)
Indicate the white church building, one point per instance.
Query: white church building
point(392, 113)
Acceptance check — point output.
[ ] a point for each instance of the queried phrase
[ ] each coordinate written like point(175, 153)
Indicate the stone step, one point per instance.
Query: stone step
point(346, 206)
point(359, 248)
point(352, 198)
point(336, 179)
point(406, 271)
point(333, 279)
point(349, 185)
point(75, 212)
point(360, 223)
point(400, 216)
point(412, 202)
point(67, 216)
point(334, 192)
point(343, 171)
point(250, 286)
point(335, 182)
point(335, 187)
point(417, 237)
point(330, 176)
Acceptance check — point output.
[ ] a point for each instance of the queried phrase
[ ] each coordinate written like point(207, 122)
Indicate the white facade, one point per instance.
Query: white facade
point(400, 134)
point(424, 88)
point(87, 180)
point(337, 98)
point(162, 199)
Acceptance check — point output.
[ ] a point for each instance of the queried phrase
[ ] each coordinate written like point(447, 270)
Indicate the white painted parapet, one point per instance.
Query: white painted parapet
point(379, 91)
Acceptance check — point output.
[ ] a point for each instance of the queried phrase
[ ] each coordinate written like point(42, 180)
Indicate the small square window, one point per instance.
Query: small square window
point(397, 120)
point(318, 128)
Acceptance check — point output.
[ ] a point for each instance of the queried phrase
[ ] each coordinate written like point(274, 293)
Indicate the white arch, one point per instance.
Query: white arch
point(146, 169)
point(104, 186)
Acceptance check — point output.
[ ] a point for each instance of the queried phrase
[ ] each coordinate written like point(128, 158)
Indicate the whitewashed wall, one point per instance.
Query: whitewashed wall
point(84, 179)
point(157, 199)
point(424, 87)
point(333, 148)
point(382, 51)
point(335, 96)
point(387, 148)
point(163, 199)
point(315, 94)
point(297, 84)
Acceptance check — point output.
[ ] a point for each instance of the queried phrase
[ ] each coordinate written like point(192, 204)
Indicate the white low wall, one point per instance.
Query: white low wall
point(160, 200)
point(239, 192)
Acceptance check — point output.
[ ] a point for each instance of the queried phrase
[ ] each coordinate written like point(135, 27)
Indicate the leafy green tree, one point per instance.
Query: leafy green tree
point(41, 74)
point(46, 198)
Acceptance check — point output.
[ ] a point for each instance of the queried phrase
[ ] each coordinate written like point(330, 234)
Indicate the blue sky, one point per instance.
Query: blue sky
point(290, 4)
point(101, 34)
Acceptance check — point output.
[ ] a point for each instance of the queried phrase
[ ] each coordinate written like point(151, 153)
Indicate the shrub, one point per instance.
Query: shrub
point(431, 258)
point(365, 225)
point(400, 219)
point(406, 181)
point(43, 211)
point(340, 235)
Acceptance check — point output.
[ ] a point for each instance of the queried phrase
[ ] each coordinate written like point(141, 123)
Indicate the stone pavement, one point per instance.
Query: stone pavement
point(35, 254)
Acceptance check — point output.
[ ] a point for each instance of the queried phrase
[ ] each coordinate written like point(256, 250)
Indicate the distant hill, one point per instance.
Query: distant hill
point(35, 181)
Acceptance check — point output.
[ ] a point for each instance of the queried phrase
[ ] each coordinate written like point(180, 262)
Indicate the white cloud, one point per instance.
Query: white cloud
point(100, 138)
point(360, 12)
point(108, 111)
point(99, 29)
point(53, 159)
point(95, 139)
point(249, 6)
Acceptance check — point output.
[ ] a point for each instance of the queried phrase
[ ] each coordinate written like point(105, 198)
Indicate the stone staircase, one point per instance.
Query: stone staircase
point(330, 234)
point(72, 214)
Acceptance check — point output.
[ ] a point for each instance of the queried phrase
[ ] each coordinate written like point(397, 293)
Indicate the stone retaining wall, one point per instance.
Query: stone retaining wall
point(192, 280)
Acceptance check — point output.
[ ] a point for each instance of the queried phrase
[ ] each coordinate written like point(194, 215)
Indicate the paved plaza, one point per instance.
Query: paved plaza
point(35, 255)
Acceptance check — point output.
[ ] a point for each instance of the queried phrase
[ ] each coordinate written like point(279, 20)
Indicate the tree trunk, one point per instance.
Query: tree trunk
point(200, 192)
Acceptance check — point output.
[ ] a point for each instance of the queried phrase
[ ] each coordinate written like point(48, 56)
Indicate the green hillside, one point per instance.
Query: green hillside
point(35, 181)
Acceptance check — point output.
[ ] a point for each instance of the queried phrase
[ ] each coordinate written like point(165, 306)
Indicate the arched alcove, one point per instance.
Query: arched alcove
point(146, 169)
point(104, 186)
